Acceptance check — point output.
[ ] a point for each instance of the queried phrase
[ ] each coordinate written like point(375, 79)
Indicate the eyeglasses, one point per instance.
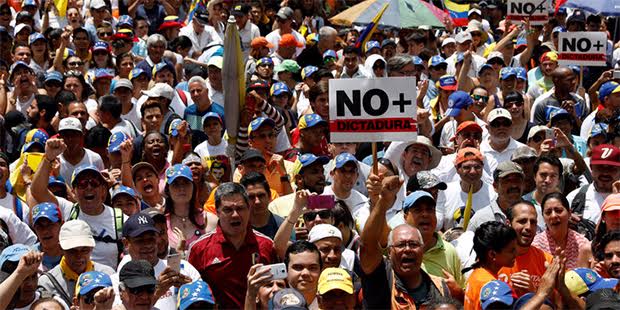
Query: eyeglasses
point(501, 123)
point(104, 34)
point(480, 97)
point(515, 103)
point(403, 245)
point(149, 289)
point(84, 183)
point(537, 138)
point(230, 210)
point(75, 63)
point(311, 215)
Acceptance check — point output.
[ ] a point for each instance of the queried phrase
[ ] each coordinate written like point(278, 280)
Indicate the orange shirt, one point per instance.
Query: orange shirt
point(533, 261)
point(209, 205)
point(478, 278)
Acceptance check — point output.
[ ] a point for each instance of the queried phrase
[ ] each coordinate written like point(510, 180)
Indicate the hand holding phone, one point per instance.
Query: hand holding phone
point(321, 202)
point(174, 262)
point(278, 271)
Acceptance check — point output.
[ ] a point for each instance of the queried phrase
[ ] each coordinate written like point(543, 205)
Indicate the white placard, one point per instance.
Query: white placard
point(582, 48)
point(537, 11)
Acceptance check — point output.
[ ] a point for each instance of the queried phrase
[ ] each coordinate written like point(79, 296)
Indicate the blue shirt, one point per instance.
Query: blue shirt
point(194, 117)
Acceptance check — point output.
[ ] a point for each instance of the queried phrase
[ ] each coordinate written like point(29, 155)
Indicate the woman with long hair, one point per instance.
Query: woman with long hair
point(124, 65)
point(40, 60)
point(495, 244)
point(74, 82)
point(515, 104)
point(558, 235)
point(184, 215)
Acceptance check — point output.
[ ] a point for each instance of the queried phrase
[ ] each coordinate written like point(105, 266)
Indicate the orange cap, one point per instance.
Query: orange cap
point(260, 42)
point(611, 203)
point(288, 40)
point(467, 125)
point(468, 153)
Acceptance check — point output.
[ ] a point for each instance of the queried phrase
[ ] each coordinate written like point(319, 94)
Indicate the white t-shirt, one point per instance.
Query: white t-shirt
point(215, 96)
point(206, 150)
point(168, 300)
point(89, 158)
point(8, 202)
point(449, 131)
point(451, 203)
point(134, 114)
point(202, 39)
point(274, 38)
point(594, 201)
point(357, 203)
point(446, 171)
point(125, 127)
point(176, 105)
point(498, 157)
point(18, 230)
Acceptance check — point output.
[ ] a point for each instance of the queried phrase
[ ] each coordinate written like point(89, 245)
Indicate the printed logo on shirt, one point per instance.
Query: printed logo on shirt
point(215, 261)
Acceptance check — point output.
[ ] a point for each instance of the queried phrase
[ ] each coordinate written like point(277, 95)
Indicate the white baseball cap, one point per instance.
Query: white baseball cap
point(498, 113)
point(70, 123)
point(322, 231)
point(474, 10)
point(160, 90)
point(447, 41)
point(75, 234)
point(97, 4)
point(217, 61)
point(20, 27)
point(462, 37)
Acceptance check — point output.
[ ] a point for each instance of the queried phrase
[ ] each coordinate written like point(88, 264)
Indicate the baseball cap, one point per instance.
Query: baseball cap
point(335, 279)
point(125, 20)
point(471, 125)
point(216, 61)
point(170, 21)
point(159, 67)
point(194, 292)
point(13, 253)
point(124, 190)
point(137, 273)
point(212, 115)
point(83, 169)
point(16, 65)
point(288, 65)
point(468, 153)
point(436, 61)
point(178, 171)
point(474, 11)
point(310, 120)
point(308, 159)
point(417, 61)
point(307, 71)
point(583, 280)
point(552, 56)
point(535, 130)
point(554, 113)
point(260, 42)
point(457, 101)
point(59, 180)
point(322, 231)
point(27, 3)
point(70, 123)
point(21, 27)
point(103, 73)
point(557, 29)
point(114, 143)
point(138, 224)
point(285, 13)
point(251, 153)
point(521, 73)
point(53, 76)
point(136, 72)
point(288, 40)
point(605, 154)
point(599, 129)
point(523, 152)
point(496, 291)
point(173, 128)
point(160, 90)
point(463, 37)
point(485, 67)
point(417, 197)
point(101, 46)
point(74, 234)
point(495, 56)
point(122, 83)
point(607, 89)
point(46, 210)
point(498, 113)
point(35, 37)
point(506, 73)
point(190, 158)
point(329, 54)
point(424, 180)
point(97, 4)
point(265, 61)
point(577, 17)
point(447, 82)
point(372, 44)
point(611, 203)
point(447, 41)
point(507, 168)
point(258, 122)
point(91, 280)
point(288, 298)
point(387, 42)
point(344, 158)
point(35, 136)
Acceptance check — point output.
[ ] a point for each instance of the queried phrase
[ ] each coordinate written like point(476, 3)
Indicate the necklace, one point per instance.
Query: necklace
point(182, 218)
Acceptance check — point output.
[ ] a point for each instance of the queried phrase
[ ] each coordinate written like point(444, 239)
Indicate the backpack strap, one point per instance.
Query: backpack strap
point(182, 96)
point(18, 208)
point(118, 227)
point(579, 202)
point(75, 212)
point(59, 288)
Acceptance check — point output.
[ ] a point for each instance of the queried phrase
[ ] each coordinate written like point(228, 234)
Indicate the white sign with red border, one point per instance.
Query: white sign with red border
point(582, 48)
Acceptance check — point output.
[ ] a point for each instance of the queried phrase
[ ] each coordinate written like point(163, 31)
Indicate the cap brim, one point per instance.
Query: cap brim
point(449, 87)
point(142, 165)
point(605, 162)
point(54, 219)
point(76, 242)
point(174, 178)
point(141, 230)
point(330, 286)
point(603, 284)
point(139, 282)
point(453, 112)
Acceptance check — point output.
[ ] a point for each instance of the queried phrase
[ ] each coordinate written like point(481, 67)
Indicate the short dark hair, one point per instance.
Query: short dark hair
point(513, 96)
point(549, 159)
point(318, 89)
point(599, 251)
point(350, 49)
point(97, 136)
point(417, 38)
point(228, 189)
point(65, 97)
point(47, 103)
point(255, 178)
point(320, 74)
point(150, 106)
point(300, 247)
point(443, 300)
point(510, 213)
point(492, 236)
point(112, 105)
point(342, 214)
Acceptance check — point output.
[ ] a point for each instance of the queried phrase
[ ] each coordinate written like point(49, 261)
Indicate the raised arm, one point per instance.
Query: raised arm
point(280, 241)
point(53, 148)
point(126, 153)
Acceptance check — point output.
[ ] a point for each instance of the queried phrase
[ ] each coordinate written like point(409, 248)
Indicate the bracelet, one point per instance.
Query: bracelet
point(292, 223)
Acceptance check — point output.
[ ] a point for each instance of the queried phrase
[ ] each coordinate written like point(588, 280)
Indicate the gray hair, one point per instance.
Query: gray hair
point(197, 79)
point(327, 31)
point(156, 38)
point(397, 62)
point(229, 189)
point(401, 226)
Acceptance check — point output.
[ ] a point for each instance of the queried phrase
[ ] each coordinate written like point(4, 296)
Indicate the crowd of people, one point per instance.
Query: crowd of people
point(123, 188)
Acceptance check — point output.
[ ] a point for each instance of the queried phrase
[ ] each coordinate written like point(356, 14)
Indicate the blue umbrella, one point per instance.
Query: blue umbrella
point(602, 7)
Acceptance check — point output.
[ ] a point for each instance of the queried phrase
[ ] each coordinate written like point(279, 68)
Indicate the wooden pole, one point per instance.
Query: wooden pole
point(375, 163)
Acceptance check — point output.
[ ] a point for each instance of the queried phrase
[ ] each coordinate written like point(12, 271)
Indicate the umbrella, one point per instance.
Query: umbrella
point(233, 79)
point(602, 7)
point(399, 14)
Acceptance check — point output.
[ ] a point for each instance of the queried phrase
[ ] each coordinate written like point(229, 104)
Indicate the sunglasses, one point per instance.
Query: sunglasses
point(311, 215)
point(75, 63)
point(515, 103)
point(149, 289)
point(480, 97)
point(501, 123)
point(104, 34)
point(84, 183)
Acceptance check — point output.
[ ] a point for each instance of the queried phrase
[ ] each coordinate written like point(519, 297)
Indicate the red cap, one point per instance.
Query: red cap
point(471, 125)
point(468, 153)
point(288, 40)
point(260, 42)
point(605, 154)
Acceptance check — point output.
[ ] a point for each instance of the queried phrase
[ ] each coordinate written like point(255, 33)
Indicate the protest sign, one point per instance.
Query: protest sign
point(537, 11)
point(582, 48)
point(372, 110)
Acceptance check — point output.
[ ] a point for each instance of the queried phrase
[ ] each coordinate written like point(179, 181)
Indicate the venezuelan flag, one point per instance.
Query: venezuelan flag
point(370, 28)
point(458, 12)
point(192, 9)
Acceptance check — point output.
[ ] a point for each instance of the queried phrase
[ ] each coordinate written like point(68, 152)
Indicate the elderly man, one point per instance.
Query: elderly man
point(391, 280)
point(77, 243)
point(313, 55)
point(155, 46)
point(194, 113)
point(137, 285)
point(499, 145)
point(225, 256)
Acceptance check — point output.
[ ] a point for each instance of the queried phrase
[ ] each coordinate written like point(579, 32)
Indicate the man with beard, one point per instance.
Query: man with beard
point(224, 256)
point(499, 145)
point(526, 273)
point(605, 167)
point(609, 259)
point(396, 280)
point(508, 182)
point(41, 112)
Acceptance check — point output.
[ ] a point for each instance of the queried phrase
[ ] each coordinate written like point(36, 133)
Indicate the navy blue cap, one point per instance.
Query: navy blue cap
point(457, 101)
point(138, 224)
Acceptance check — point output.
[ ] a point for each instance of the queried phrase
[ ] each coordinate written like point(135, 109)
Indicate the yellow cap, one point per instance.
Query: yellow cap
point(335, 279)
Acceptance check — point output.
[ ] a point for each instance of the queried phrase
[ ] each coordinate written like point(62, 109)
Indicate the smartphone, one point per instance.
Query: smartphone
point(616, 74)
point(321, 202)
point(278, 271)
point(174, 261)
point(550, 135)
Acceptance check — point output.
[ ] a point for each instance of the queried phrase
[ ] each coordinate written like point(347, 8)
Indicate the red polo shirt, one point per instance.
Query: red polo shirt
point(225, 268)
